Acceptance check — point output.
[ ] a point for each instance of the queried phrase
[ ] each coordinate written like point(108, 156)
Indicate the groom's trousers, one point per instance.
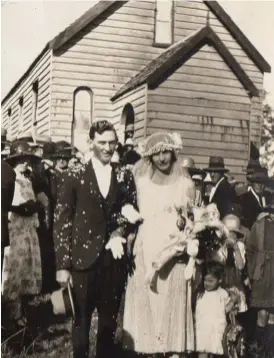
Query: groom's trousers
point(100, 287)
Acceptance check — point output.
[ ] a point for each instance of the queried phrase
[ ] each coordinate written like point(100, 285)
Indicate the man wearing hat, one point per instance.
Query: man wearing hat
point(89, 240)
point(222, 193)
point(252, 199)
point(7, 191)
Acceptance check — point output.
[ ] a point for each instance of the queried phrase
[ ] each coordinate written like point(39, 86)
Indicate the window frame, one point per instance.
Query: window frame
point(35, 93)
point(159, 44)
point(21, 114)
point(91, 94)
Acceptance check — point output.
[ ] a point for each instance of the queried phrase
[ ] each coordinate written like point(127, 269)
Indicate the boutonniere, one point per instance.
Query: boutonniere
point(120, 174)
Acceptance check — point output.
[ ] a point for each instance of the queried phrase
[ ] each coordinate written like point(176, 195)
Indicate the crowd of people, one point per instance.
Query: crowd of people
point(190, 249)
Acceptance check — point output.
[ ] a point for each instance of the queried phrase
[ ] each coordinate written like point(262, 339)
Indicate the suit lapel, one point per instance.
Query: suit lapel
point(217, 190)
point(256, 199)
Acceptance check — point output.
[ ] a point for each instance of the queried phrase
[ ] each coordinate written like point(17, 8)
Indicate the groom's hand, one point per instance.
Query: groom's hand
point(115, 244)
point(64, 277)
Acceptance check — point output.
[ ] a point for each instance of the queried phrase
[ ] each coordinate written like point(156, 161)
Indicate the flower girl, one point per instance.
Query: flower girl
point(212, 305)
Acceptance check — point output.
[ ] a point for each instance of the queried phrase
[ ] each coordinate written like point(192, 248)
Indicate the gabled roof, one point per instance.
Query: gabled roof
point(65, 36)
point(90, 15)
point(154, 70)
point(239, 36)
point(80, 24)
point(214, 6)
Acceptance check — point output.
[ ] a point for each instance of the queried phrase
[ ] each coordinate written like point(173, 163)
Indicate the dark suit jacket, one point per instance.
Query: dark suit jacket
point(82, 223)
point(250, 208)
point(7, 191)
point(224, 197)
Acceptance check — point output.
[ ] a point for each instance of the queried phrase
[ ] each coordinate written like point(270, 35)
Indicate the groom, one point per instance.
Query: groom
point(89, 234)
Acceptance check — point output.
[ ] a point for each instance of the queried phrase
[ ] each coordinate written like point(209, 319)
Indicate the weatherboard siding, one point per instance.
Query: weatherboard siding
point(42, 73)
point(189, 16)
point(210, 110)
point(104, 57)
point(119, 43)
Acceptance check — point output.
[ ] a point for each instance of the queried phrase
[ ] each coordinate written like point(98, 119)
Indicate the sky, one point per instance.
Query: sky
point(26, 26)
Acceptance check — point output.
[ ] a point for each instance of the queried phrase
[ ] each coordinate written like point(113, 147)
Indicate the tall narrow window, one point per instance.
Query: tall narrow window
point(34, 106)
point(82, 117)
point(126, 129)
point(21, 115)
point(9, 122)
point(163, 23)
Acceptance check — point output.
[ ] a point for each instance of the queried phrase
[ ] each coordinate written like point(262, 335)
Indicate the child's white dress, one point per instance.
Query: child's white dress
point(210, 319)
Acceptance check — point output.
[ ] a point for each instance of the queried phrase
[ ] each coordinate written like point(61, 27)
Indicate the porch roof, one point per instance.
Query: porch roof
point(184, 49)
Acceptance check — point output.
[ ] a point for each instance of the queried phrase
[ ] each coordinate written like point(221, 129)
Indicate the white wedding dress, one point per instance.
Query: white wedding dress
point(158, 322)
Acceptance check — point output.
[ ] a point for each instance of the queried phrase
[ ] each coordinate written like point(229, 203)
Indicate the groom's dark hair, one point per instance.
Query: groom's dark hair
point(101, 127)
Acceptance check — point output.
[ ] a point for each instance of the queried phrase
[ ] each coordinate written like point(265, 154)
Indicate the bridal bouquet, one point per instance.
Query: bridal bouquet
point(189, 236)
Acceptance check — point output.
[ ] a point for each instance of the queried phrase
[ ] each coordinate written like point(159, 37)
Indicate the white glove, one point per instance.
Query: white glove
point(115, 244)
point(64, 277)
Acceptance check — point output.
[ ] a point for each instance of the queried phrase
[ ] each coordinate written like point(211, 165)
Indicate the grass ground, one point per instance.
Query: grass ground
point(52, 338)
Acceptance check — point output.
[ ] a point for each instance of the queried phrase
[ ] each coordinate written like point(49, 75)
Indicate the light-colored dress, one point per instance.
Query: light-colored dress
point(158, 322)
point(210, 321)
point(22, 273)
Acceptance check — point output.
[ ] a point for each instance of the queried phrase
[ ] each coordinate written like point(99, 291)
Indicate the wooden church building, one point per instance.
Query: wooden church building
point(163, 65)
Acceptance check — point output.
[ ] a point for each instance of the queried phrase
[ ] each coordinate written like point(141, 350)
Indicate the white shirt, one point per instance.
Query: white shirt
point(257, 196)
point(213, 190)
point(103, 175)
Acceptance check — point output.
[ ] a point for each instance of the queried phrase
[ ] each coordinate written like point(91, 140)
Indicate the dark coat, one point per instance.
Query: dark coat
point(260, 262)
point(82, 221)
point(225, 198)
point(7, 191)
point(250, 208)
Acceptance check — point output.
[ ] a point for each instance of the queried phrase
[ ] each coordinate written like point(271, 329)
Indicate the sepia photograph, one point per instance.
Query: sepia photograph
point(137, 179)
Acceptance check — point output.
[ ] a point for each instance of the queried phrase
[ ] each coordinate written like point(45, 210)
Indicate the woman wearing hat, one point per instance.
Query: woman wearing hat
point(159, 322)
point(260, 262)
point(22, 269)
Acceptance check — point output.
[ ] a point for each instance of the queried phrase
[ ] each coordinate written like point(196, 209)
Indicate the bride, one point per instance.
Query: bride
point(159, 322)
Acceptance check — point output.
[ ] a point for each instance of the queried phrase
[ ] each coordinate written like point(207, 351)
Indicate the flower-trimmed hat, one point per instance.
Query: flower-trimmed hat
point(27, 137)
point(18, 150)
point(159, 142)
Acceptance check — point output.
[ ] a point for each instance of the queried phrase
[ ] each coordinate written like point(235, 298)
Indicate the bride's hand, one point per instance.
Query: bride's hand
point(180, 249)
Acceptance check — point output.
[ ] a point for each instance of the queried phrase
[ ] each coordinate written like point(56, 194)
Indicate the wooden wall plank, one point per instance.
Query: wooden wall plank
point(42, 73)
point(117, 45)
point(209, 126)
